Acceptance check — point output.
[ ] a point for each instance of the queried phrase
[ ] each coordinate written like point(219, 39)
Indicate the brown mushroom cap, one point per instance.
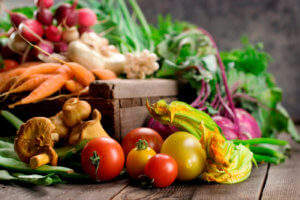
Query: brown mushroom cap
point(74, 111)
point(34, 137)
point(60, 127)
point(88, 130)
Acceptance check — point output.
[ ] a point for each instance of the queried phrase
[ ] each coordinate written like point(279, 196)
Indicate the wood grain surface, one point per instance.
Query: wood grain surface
point(266, 182)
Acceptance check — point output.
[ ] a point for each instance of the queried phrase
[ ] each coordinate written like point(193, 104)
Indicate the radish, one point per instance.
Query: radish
point(44, 3)
point(67, 14)
point(16, 43)
point(61, 47)
point(17, 18)
point(31, 29)
point(7, 53)
point(70, 34)
point(84, 29)
point(46, 46)
point(229, 130)
point(44, 16)
point(53, 33)
point(86, 17)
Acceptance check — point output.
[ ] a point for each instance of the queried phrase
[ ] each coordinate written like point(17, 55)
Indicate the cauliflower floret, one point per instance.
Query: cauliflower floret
point(140, 64)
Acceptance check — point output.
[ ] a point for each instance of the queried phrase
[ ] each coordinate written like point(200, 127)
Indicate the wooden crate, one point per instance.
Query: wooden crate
point(121, 103)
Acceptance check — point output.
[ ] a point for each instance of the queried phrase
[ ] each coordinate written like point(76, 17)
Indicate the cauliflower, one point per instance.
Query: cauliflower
point(140, 64)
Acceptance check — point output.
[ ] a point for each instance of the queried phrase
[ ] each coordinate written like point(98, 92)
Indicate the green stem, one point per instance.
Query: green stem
point(12, 119)
point(267, 152)
point(267, 159)
point(261, 141)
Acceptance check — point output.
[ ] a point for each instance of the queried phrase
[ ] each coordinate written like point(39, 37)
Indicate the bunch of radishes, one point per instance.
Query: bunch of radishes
point(49, 31)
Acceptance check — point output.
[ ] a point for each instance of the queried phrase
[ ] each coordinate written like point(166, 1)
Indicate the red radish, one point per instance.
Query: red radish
point(46, 46)
point(7, 53)
point(86, 17)
point(61, 47)
point(44, 16)
point(44, 3)
point(31, 29)
point(84, 29)
point(66, 13)
point(53, 33)
point(16, 18)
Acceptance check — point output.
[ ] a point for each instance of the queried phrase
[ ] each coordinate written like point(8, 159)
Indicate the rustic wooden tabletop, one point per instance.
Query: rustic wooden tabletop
point(266, 182)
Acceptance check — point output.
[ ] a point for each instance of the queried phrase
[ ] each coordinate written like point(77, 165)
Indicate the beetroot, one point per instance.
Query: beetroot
point(53, 33)
point(86, 17)
point(247, 126)
point(31, 29)
point(163, 130)
point(84, 29)
point(228, 128)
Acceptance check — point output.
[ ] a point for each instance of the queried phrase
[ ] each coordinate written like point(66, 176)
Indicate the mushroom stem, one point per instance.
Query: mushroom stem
point(55, 137)
point(39, 160)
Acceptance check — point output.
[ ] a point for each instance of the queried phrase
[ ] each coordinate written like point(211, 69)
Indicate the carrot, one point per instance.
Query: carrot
point(46, 89)
point(5, 76)
point(104, 74)
point(73, 86)
point(29, 64)
point(44, 68)
point(83, 75)
point(32, 83)
point(8, 84)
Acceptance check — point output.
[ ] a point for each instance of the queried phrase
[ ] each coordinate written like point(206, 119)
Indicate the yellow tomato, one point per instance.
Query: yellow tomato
point(188, 153)
point(138, 158)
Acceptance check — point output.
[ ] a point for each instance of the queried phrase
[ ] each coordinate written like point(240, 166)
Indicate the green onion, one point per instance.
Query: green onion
point(15, 121)
point(261, 141)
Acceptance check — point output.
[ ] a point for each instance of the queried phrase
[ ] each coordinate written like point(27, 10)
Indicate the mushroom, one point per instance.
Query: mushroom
point(34, 142)
point(74, 111)
point(60, 128)
point(87, 130)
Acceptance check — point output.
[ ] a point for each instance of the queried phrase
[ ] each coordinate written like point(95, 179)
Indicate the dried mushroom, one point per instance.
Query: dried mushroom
point(87, 130)
point(60, 128)
point(34, 142)
point(74, 111)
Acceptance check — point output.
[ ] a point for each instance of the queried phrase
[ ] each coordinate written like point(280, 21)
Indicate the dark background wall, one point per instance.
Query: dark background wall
point(276, 23)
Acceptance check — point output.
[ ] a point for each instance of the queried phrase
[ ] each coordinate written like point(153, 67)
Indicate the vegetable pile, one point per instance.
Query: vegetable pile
point(231, 124)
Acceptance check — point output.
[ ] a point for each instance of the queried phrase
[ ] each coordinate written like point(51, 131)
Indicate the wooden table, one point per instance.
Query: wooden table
point(266, 182)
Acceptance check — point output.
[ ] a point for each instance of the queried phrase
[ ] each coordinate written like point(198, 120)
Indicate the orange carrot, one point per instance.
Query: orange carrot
point(83, 75)
point(7, 75)
point(73, 86)
point(104, 74)
point(29, 64)
point(7, 85)
point(32, 83)
point(44, 68)
point(46, 89)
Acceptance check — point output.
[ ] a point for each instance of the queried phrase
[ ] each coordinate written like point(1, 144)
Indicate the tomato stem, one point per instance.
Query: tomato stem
point(141, 144)
point(95, 160)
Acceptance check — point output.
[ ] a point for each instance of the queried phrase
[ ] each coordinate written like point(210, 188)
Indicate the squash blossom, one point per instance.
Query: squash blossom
point(226, 162)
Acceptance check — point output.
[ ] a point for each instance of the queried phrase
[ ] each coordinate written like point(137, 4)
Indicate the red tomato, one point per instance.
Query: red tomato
point(151, 136)
point(9, 64)
point(163, 169)
point(102, 158)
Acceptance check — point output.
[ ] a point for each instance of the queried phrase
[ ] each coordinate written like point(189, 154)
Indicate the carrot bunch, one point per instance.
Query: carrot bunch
point(44, 79)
